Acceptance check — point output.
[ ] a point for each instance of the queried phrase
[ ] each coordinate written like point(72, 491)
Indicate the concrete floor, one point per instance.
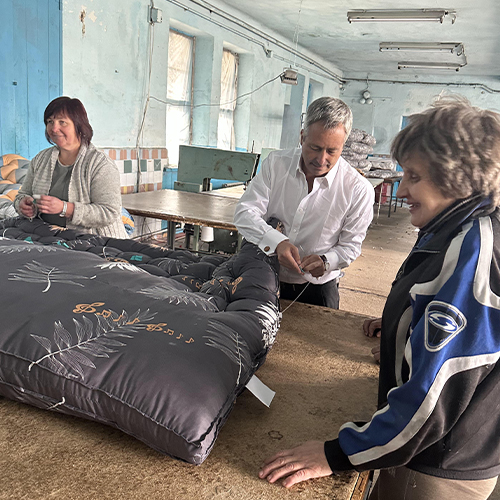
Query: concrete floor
point(367, 281)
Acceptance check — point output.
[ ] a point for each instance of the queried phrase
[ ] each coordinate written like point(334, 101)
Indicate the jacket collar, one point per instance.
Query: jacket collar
point(446, 223)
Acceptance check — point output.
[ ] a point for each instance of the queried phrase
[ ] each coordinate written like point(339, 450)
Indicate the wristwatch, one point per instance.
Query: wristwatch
point(325, 262)
point(63, 211)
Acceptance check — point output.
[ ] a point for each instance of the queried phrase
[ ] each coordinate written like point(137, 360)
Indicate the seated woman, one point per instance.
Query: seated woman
point(72, 184)
point(435, 434)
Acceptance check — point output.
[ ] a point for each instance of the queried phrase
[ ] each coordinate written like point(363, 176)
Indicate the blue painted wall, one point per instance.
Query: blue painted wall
point(30, 62)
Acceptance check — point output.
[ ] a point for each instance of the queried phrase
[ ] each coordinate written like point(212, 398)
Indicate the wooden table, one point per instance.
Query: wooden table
point(230, 191)
point(182, 206)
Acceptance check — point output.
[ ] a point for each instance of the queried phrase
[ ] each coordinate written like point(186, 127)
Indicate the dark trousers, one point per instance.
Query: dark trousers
point(402, 483)
point(326, 295)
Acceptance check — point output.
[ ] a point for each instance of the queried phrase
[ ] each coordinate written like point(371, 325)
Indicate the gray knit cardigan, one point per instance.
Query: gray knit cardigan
point(94, 188)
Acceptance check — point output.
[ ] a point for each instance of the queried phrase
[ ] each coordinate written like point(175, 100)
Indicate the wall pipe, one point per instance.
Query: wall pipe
point(445, 84)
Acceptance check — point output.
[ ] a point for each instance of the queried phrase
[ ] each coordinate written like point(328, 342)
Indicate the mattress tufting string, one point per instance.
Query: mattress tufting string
point(296, 298)
point(63, 400)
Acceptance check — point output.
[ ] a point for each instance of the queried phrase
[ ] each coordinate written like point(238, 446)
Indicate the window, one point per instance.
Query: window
point(228, 94)
point(179, 93)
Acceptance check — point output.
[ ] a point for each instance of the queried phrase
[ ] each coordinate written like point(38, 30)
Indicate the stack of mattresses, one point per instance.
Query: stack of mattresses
point(13, 169)
point(358, 146)
point(382, 168)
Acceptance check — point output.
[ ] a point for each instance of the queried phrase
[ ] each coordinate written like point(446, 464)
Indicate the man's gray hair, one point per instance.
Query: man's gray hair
point(460, 143)
point(332, 112)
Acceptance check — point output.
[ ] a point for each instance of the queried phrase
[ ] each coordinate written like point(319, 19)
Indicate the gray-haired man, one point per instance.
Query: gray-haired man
point(324, 204)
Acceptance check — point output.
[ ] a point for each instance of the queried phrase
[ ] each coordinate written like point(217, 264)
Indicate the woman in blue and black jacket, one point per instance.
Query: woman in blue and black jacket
point(436, 434)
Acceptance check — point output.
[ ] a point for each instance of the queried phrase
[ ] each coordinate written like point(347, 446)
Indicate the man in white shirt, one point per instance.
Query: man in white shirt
point(325, 207)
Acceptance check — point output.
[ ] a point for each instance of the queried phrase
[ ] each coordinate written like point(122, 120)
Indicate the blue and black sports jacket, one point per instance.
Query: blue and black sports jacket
point(439, 386)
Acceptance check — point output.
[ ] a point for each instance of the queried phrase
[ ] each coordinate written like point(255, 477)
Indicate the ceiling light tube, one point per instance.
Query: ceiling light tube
point(411, 15)
point(423, 47)
point(428, 65)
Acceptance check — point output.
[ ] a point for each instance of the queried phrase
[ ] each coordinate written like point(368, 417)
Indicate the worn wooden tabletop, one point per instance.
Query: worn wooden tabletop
point(183, 206)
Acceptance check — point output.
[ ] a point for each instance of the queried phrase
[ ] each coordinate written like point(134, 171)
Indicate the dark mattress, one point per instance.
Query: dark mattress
point(155, 342)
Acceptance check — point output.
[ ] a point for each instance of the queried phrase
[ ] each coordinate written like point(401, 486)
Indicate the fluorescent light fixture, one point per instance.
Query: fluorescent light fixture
point(453, 47)
point(411, 15)
point(429, 65)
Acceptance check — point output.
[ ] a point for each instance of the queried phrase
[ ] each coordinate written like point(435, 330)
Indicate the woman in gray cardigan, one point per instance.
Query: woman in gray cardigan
point(72, 184)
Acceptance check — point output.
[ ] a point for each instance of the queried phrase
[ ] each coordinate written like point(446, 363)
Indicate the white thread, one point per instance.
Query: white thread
point(296, 298)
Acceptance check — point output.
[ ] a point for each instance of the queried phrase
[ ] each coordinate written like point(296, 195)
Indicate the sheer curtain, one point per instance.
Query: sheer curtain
point(229, 79)
point(179, 93)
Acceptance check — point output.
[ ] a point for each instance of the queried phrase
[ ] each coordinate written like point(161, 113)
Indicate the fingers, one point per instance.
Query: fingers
point(304, 462)
point(288, 256)
point(376, 353)
point(314, 265)
point(293, 472)
point(372, 327)
point(27, 207)
point(49, 204)
point(277, 467)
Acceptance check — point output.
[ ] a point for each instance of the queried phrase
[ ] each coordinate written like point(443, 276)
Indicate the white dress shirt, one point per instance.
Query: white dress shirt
point(331, 220)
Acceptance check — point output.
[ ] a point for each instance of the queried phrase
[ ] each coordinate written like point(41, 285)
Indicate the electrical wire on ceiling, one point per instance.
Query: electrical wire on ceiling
point(296, 34)
point(218, 104)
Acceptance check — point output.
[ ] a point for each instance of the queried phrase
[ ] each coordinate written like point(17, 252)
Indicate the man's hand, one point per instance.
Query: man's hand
point(372, 327)
point(314, 265)
point(27, 207)
point(304, 462)
point(288, 256)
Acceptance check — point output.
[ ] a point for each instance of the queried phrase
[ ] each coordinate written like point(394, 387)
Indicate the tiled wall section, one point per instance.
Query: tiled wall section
point(145, 174)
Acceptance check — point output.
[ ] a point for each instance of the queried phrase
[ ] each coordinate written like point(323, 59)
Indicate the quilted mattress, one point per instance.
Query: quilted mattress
point(157, 343)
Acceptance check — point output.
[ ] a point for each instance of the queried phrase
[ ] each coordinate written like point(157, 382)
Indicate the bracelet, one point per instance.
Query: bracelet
point(63, 211)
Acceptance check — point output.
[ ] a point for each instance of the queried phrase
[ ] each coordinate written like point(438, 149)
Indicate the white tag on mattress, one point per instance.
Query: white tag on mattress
point(260, 391)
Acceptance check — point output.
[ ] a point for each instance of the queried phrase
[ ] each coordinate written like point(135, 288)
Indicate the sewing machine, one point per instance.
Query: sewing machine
point(197, 167)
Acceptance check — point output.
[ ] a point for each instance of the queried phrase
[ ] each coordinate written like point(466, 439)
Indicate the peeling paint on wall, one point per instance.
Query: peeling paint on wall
point(83, 13)
point(92, 17)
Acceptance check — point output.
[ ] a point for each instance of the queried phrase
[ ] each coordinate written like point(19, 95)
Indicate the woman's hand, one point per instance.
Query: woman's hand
point(372, 327)
point(27, 207)
point(49, 204)
point(298, 464)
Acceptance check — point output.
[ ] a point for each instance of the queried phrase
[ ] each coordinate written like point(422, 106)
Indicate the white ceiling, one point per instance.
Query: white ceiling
point(353, 48)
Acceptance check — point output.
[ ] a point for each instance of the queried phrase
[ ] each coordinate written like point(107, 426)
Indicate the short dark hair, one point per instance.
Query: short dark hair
point(73, 109)
point(460, 143)
point(332, 112)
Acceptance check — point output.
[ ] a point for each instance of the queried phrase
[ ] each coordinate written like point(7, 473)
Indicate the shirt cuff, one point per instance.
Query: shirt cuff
point(271, 240)
point(337, 459)
point(333, 260)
